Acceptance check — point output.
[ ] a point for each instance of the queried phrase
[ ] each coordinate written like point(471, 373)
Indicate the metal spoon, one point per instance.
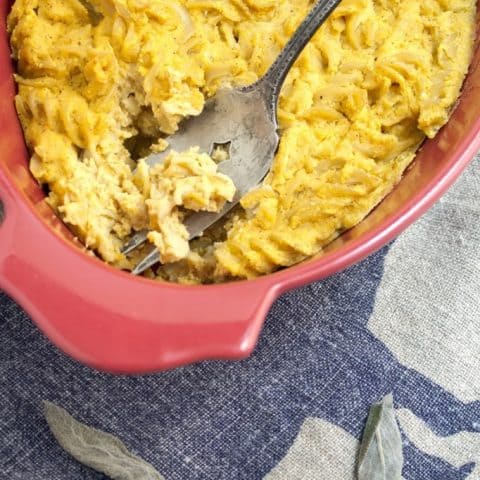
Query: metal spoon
point(246, 120)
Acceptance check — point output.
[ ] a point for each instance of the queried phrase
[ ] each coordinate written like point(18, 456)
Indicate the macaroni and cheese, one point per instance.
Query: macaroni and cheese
point(103, 83)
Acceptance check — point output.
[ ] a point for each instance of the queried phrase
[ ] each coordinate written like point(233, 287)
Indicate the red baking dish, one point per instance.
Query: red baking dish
point(113, 321)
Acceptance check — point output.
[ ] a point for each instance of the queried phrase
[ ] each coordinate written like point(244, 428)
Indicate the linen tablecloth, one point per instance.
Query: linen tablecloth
point(406, 320)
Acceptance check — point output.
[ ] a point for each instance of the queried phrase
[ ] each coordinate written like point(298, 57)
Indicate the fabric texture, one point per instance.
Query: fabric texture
point(406, 320)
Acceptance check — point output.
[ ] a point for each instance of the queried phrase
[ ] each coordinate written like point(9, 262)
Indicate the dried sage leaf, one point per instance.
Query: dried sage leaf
point(96, 449)
point(381, 452)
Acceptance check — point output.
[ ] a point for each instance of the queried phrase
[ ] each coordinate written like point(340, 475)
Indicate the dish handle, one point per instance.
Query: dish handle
point(8, 215)
point(112, 321)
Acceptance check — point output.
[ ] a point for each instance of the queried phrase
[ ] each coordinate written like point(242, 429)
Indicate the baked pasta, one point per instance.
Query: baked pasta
point(102, 83)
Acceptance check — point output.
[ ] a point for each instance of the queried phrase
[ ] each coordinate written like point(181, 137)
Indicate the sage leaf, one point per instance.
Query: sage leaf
point(96, 449)
point(381, 452)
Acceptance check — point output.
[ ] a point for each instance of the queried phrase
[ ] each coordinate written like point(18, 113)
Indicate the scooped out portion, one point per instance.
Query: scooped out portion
point(102, 83)
point(188, 180)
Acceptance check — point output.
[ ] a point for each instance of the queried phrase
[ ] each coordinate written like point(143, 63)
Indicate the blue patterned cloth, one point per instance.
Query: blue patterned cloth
point(406, 320)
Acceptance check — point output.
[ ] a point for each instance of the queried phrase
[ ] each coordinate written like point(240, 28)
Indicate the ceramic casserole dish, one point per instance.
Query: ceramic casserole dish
point(114, 321)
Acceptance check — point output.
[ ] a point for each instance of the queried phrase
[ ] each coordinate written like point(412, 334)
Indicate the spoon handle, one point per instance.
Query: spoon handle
point(272, 81)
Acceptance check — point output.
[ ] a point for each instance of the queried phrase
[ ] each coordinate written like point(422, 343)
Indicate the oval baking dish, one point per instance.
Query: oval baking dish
point(114, 321)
